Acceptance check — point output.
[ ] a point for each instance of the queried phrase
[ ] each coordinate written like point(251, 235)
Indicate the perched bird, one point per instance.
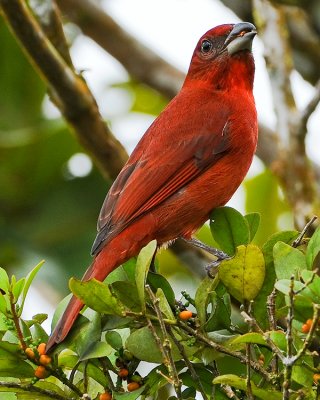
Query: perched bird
point(191, 159)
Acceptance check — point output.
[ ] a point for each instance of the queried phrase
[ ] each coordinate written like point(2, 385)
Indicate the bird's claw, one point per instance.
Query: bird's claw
point(215, 264)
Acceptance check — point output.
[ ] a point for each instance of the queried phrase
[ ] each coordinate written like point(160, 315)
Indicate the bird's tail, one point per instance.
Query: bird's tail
point(101, 267)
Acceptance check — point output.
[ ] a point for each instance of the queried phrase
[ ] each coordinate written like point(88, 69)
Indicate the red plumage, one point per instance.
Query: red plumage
point(190, 161)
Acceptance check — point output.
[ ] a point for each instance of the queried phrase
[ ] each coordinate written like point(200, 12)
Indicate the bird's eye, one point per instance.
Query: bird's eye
point(242, 33)
point(206, 46)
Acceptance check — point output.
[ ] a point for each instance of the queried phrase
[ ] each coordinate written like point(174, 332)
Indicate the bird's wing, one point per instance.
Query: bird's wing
point(160, 166)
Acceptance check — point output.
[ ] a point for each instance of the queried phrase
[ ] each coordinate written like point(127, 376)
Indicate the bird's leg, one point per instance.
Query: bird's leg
point(221, 255)
point(212, 250)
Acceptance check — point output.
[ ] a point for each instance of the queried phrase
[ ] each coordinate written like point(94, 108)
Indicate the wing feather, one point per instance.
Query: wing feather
point(146, 181)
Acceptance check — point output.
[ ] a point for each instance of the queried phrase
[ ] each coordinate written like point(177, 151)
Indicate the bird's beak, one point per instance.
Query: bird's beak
point(240, 38)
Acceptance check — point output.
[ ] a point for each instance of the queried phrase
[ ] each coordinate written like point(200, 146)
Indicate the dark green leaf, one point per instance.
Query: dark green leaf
point(220, 313)
point(202, 297)
point(229, 229)
point(114, 340)
point(158, 281)
point(69, 361)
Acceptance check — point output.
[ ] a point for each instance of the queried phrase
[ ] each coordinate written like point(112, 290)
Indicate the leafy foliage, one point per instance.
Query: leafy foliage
point(134, 319)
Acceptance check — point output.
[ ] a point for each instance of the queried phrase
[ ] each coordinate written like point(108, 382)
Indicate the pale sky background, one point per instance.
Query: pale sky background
point(172, 29)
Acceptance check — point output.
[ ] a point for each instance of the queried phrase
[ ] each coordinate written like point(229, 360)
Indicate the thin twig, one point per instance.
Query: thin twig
point(248, 307)
point(34, 389)
point(222, 349)
point(310, 335)
point(189, 364)
point(299, 239)
point(271, 309)
point(270, 342)
point(288, 361)
point(166, 345)
point(16, 321)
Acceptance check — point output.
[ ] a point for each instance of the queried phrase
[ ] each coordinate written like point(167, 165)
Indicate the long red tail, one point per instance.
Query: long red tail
point(99, 269)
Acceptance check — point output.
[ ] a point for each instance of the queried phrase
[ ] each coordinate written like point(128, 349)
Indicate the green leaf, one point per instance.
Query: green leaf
point(11, 362)
point(142, 267)
point(17, 288)
point(302, 375)
point(142, 344)
point(279, 338)
point(288, 261)
point(69, 361)
point(253, 220)
point(164, 305)
point(313, 249)
point(88, 344)
point(252, 337)
point(243, 275)
point(220, 313)
point(202, 297)
point(129, 395)
point(4, 304)
point(158, 281)
point(126, 292)
point(97, 296)
point(28, 282)
point(4, 280)
point(229, 229)
point(114, 339)
point(38, 333)
point(259, 308)
point(241, 383)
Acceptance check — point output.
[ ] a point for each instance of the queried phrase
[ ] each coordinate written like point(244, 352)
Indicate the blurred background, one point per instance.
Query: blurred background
point(51, 190)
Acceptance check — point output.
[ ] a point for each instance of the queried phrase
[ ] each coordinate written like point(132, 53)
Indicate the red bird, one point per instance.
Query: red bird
point(190, 161)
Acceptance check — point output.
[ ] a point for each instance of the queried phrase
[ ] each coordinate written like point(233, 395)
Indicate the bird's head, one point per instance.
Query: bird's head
point(220, 48)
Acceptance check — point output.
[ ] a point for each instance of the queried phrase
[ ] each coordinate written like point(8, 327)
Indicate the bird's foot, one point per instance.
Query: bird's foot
point(221, 255)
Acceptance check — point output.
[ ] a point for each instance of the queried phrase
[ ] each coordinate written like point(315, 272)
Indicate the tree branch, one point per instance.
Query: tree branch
point(74, 98)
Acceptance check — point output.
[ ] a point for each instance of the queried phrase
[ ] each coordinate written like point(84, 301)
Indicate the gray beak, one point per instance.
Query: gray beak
point(240, 38)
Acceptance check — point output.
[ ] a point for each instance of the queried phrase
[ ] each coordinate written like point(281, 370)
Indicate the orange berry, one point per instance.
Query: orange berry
point(309, 322)
point(105, 396)
point(44, 359)
point(42, 348)
point(40, 372)
point(316, 378)
point(185, 315)
point(133, 386)
point(30, 353)
point(123, 373)
point(305, 328)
